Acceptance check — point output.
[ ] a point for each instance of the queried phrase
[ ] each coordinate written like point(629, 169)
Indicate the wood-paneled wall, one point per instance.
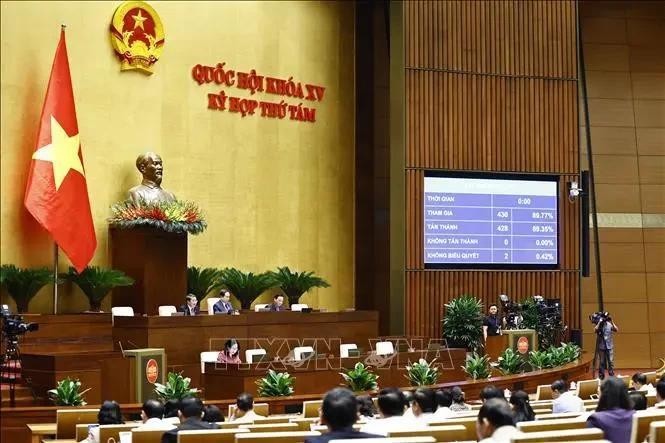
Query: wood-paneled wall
point(489, 86)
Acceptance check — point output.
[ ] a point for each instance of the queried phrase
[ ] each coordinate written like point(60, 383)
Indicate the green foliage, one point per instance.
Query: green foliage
point(96, 282)
point(571, 352)
point(478, 367)
point(360, 378)
point(22, 284)
point(463, 322)
point(201, 281)
point(275, 384)
point(557, 356)
point(295, 284)
point(510, 362)
point(422, 373)
point(178, 216)
point(529, 314)
point(66, 393)
point(176, 387)
point(245, 286)
point(540, 360)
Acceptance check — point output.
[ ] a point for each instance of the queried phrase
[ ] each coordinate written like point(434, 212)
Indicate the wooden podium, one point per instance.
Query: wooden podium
point(156, 260)
point(521, 340)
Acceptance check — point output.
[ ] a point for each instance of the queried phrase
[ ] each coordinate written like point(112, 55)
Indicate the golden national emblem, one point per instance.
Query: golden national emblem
point(137, 36)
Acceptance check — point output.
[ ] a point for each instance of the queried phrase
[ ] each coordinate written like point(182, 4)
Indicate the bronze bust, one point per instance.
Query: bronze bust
point(150, 191)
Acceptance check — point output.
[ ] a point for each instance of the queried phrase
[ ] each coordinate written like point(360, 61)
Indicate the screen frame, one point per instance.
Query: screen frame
point(492, 175)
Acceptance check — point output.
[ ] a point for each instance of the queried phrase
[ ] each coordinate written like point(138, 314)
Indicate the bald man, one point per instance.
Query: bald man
point(150, 191)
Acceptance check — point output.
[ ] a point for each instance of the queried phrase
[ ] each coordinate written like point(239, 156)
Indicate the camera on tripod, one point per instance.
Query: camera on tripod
point(13, 325)
point(598, 317)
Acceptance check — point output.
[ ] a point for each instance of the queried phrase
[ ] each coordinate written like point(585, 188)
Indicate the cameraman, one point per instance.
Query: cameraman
point(605, 330)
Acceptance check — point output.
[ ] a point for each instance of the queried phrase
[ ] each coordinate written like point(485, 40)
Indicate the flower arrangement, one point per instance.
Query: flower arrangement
point(179, 216)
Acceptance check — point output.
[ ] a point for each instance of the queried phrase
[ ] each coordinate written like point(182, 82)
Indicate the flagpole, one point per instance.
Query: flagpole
point(55, 278)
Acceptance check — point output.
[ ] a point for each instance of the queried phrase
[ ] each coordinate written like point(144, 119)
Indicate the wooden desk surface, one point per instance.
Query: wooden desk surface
point(39, 430)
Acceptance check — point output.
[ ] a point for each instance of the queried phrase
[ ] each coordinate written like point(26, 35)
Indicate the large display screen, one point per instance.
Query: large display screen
point(485, 221)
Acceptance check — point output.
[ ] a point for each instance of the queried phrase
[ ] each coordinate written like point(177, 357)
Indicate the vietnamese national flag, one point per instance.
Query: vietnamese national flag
point(57, 193)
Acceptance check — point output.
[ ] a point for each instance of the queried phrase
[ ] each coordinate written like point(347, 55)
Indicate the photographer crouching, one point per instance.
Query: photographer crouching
point(605, 329)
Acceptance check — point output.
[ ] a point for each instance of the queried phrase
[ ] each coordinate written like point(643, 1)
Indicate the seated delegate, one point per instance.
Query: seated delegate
point(191, 306)
point(277, 303)
point(224, 306)
point(231, 353)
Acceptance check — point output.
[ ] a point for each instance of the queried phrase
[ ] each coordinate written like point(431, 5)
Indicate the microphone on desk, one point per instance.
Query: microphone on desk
point(128, 341)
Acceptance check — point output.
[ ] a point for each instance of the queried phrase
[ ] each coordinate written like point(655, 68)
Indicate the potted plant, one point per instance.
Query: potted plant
point(276, 384)
point(22, 284)
point(201, 281)
point(96, 283)
point(422, 373)
point(540, 360)
point(478, 367)
point(176, 387)
point(360, 378)
point(462, 324)
point(510, 362)
point(571, 352)
point(295, 284)
point(245, 286)
point(66, 393)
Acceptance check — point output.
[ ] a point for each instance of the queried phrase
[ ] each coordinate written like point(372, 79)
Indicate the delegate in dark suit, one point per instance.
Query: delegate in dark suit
point(191, 306)
point(191, 424)
point(190, 311)
point(222, 307)
point(341, 434)
point(277, 303)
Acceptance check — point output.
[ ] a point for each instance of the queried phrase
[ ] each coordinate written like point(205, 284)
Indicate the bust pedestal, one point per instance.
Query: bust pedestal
point(156, 260)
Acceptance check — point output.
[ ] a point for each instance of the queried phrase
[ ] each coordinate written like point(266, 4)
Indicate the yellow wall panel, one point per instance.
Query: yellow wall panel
point(605, 57)
point(609, 140)
point(651, 141)
point(653, 199)
point(604, 84)
point(612, 197)
point(656, 287)
point(657, 340)
point(656, 316)
point(275, 192)
point(650, 113)
point(611, 112)
point(603, 30)
point(644, 59)
point(617, 288)
point(615, 169)
point(649, 86)
point(645, 32)
point(655, 257)
point(652, 169)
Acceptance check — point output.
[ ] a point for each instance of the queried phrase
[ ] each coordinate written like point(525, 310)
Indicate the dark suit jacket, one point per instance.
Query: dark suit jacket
point(191, 424)
point(222, 308)
point(275, 308)
point(184, 308)
point(339, 435)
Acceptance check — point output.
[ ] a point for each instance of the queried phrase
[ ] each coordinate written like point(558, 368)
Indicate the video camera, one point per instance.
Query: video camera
point(598, 317)
point(512, 312)
point(13, 325)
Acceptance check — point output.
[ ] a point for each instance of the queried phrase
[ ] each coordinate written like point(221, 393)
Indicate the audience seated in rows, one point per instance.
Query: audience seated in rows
point(212, 414)
point(244, 412)
point(152, 414)
point(444, 397)
point(614, 413)
point(392, 403)
point(519, 400)
point(660, 393)
point(638, 400)
point(366, 407)
point(190, 412)
point(339, 411)
point(458, 404)
point(490, 391)
point(564, 400)
point(640, 384)
point(496, 422)
point(171, 412)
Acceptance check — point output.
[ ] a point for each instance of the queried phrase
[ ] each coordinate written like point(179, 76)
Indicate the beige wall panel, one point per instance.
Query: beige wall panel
point(630, 350)
point(618, 198)
point(611, 112)
point(656, 287)
point(609, 140)
point(617, 287)
point(241, 171)
point(604, 84)
point(651, 141)
point(620, 235)
point(657, 317)
point(646, 59)
point(615, 169)
point(644, 9)
point(654, 235)
point(654, 257)
point(603, 30)
point(606, 57)
point(649, 86)
point(629, 316)
point(657, 349)
point(646, 32)
point(650, 113)
point(620, 257)
point(652, 169)
point(653, 199)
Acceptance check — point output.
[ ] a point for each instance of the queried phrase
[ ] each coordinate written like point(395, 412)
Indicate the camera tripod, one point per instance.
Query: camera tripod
point(603, 354)
point(10, 366)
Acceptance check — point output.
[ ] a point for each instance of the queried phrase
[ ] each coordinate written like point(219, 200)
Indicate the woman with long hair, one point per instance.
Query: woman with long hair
point(614, 413)
point(231, 352)
point(109, 414)
point(519, 400)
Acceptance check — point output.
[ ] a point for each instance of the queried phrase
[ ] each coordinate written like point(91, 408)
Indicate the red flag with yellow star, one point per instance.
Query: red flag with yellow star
point(57, 193)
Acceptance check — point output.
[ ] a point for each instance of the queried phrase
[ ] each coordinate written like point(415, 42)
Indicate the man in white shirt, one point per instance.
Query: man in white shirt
point(564, 400)
point(495, 422)
point(391, 404)
point(424, 405)
point(640, 384)
point(244, 412)
point(444, 398)
point(151, 415)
